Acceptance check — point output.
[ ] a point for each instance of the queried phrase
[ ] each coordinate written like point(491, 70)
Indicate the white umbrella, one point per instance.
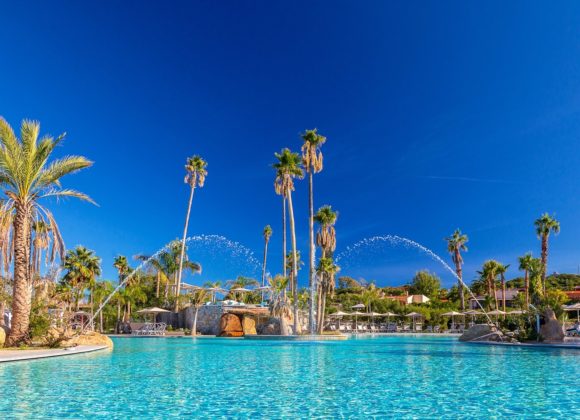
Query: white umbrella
point(452, 314)
point(356, 315)
point(153, 311)
point(517, 312)
point(338, 315)
point(414, 316)
point(186, 286)
point(358, 306)
point(573, 307)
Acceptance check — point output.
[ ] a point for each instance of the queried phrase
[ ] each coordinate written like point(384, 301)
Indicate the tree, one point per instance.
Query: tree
point(198, 299)
point(195, 177)
point(102, 290)
point(536, 268)
point(425, 283)
point(326, 240)
point(545, 224)
point(267, 233)
point(501, 270)
point(122, 266)
point(240, 282)
point(28, 177)
point(288, 167)
point(488, 274)
point(526, 262)
point(312, 160)
point(346, 282)
point(82, 268)
point(326, 272)
point(290, 264)
point(279, 304)
point(456, 244)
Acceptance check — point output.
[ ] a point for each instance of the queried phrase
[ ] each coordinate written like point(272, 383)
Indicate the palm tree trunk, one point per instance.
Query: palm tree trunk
point(284, 236)
point(322, 311)
point(101, 317)
point(157, 286)
point(544, 261)
point(312, 255)
point(22, 293)
point(318, 307)
point(503, 292)
point(264, 269)
point(179, 273)
point(194, 328)
point(2, 309)
point(527, 287)
point(294, 261)
point(459, 272)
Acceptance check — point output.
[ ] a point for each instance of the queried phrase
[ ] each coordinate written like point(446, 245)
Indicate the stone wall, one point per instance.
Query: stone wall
point(208, 319)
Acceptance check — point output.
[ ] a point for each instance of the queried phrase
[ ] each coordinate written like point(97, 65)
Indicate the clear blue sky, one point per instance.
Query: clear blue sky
point(438, 115)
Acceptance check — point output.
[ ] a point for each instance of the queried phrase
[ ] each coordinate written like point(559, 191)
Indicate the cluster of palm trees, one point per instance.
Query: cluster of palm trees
point(28, 176)
point(492, 274)
point(290, 166)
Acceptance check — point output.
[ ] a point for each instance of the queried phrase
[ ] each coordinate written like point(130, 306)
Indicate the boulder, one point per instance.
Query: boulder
point(90, 338)
point(3, 333)
point(230, 326)
point(249, 325)
point(270, 327)
point(552, 330)
point(484, 332)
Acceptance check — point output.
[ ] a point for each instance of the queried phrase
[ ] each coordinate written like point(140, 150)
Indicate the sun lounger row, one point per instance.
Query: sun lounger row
point(151, 329)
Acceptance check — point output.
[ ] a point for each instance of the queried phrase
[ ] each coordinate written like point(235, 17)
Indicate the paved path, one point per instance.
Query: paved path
point(16, 355)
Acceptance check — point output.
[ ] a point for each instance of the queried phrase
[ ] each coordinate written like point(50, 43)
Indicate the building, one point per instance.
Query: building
point(409, 299)
point(510, 297)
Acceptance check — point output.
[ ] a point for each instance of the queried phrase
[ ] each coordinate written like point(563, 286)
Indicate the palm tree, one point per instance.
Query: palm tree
point(102, 290)
point(489, 274)
point(501, 270)
point(290, 263)
point(267, 234)
point(195, 177)
point(536, 284)
point(168, 264)
point(545, 224)
point(198, 299)
point(326, 272)
point(279, 304)
point(326, 240)
point(28, 177)
point(456, 244)
point(525, 266)
point(212, 285)
point(122, 266)
point(288, 167)
point(312, 159)
point(242, 283)
point(83, 267)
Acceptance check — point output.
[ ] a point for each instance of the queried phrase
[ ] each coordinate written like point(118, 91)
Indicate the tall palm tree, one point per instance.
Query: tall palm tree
point(456, 244)
point(326, 271)
point(290, 263)
point(536, 284)
point(267, 233)
point(288, 167)
point(82, 268)
point(121, 264)
point(195, 177)
point(28, 177)
point(489, 275)
point(326, 240)
point(279, 305)
point(545, 224)
point(313, 163)
point(501, 270)
point(525, 266)
point(198, 298)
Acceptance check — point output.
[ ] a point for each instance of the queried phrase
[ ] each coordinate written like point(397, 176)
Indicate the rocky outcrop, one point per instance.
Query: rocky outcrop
point(552, 330)
point(231, 326)
point(90, 338)
point(3, 334)
point(270, 327)
point(484, 332)
point(249, 325)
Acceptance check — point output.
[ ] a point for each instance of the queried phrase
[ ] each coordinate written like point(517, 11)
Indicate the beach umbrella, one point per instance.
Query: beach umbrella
point(573, 307)
point(186, 286)
point(452, 314)
point(338, 315)
point(496, 312)
point(356, 315)
point(214, 290)
point(414, 316)
point(152, 311)
point(473, 314)
point(517, 312)
point(358, 306)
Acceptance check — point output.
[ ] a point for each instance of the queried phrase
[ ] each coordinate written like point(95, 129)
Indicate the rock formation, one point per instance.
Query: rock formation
point(551, 331)
point(248, 325)
point(484, 332)
point(230, 326)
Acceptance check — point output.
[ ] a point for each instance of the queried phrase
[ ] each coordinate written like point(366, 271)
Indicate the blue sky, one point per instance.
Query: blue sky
point(438, 115)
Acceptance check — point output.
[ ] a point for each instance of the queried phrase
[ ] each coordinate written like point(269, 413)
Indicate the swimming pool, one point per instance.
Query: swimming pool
point(409, 376)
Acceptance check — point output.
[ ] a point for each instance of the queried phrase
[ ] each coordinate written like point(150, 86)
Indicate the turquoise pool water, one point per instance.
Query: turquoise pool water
point(411, 377)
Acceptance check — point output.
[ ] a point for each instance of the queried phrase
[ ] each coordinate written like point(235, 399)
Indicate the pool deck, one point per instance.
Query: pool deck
point(21, 355)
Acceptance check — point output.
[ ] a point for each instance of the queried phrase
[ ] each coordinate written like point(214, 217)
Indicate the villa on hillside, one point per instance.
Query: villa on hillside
point(510, 296)
point(573, 295)
point(409, 299)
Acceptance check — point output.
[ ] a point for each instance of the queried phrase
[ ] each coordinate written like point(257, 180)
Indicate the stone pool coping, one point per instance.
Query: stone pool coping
point(296, 337)
point(22, 355)
point(573, 345)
